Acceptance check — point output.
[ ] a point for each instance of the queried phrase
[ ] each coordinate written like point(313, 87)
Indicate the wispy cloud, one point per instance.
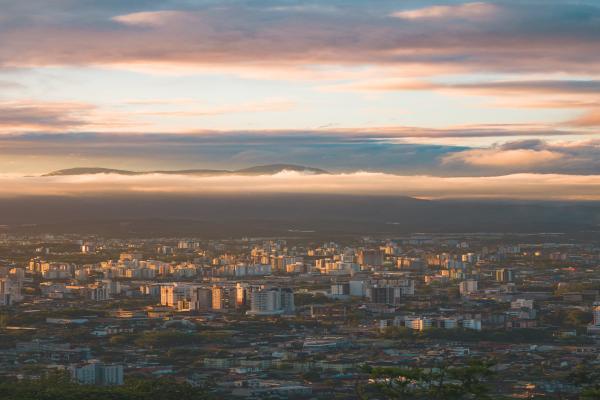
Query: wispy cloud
point(151, 18)
point(462, 11)
point(523, 36)
point(580, 87)
point(556, 93)
point(51, 116)
point(20, 116)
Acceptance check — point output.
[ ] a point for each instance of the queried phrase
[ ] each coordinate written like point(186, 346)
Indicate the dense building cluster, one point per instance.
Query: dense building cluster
point(301, 316)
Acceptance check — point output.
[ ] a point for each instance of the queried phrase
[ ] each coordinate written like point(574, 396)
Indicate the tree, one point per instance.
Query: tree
point(445, 382)
point(3, 320)
point(591, 394)
point(577, 318)
point(587, 377)
point(58, 386)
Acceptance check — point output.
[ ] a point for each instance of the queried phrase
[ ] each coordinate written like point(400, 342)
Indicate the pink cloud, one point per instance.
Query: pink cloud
point(511, 38)
point(511, 158)
point(34, 115)
point(588, 119)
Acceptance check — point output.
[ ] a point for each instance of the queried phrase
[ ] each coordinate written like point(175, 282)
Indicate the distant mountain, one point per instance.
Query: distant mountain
point(89, 171)
point(256, 170)
point(275, 168)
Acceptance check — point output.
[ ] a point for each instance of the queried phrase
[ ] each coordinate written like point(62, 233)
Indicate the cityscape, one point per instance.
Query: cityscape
point(297, 318)
point(299, 199)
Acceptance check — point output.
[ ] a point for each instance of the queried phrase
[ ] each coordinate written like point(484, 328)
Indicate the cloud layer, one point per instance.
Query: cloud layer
point(503, 36)
point(518, 186)
point(429, 97)
point(499, 49)
point(391, 151)
point(530, 156)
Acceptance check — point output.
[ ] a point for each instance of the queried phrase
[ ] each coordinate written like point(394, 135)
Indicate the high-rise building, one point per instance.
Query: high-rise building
point(418, 324)
point(372, 258)
point(357, 288)
point(88, 248)
point(280, 263)
point(467, 287)
point(390, 291)
point(594, 327)
point(340, 289)
point(474, 324)
point(201, 299)
point(172, 293)
point(6, 292)
point(223, 297)
point(381, 295)
point(98, 292)
point(287, 301)
point(504, 275)
point(596, 314)
point(244, 292)
point(272, 301)
point(11, 286)
point(97, 373)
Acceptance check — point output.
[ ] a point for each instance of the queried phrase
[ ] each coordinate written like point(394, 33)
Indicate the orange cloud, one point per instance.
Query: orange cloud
point(46, 116)
point(511, 158)
point(495, 88)
point(559, 93)
point(589, 119)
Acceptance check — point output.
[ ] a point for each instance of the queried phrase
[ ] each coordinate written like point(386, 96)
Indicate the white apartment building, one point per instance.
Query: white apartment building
point(97, 373)
point(272, 301)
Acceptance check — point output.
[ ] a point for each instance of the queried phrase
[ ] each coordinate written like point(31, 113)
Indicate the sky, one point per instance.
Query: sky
point(501, 98)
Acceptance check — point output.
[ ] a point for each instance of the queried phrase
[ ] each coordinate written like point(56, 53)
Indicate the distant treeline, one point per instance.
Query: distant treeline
point(60, 387)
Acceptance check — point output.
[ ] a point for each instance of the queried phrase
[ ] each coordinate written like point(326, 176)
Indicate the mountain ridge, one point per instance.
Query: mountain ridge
point(268, 169)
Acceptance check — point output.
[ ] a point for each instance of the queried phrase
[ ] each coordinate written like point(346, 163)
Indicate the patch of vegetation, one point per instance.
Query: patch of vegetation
point(60, 387)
